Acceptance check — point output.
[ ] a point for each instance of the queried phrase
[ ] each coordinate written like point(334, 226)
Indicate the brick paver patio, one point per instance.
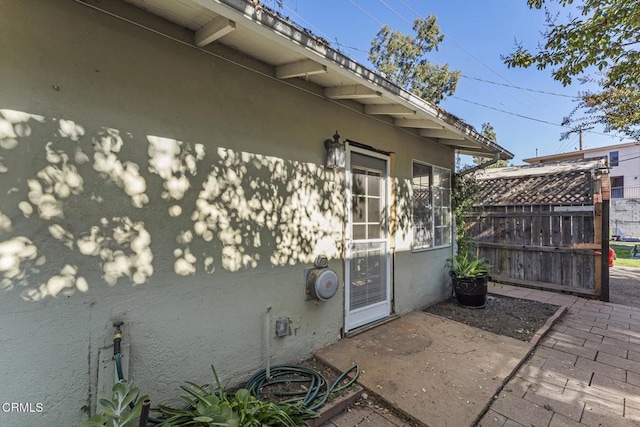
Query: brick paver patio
point(586, 371)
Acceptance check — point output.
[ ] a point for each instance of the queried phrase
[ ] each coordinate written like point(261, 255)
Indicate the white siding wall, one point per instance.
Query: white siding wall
point(628, 167)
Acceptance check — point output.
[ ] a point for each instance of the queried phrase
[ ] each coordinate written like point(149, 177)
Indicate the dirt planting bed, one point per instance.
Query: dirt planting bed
point(513, 317)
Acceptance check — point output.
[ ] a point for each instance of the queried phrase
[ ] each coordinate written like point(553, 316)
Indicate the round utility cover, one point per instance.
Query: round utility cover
point(323, 283)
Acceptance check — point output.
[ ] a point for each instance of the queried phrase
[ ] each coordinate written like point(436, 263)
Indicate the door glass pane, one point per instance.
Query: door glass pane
point(359, 232)
point(374, 231)
point(367, 204)
point(359, 209)
point(367, 274)
point(359, 179)
point(374, 181)
point(374, 210)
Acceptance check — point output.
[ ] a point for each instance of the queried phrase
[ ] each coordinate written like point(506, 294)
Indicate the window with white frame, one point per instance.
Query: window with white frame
point(431, 206)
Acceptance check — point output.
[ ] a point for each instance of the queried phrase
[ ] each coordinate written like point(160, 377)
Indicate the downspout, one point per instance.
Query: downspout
point(496, 158)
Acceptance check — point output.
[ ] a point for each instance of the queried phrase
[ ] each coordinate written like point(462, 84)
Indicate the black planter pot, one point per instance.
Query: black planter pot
point(471, 292)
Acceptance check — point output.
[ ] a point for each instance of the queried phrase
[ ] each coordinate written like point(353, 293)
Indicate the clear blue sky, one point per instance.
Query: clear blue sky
point(476, 34)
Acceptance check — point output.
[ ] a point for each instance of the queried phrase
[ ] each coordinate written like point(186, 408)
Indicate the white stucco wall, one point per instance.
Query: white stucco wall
point(624, 217)
point(145, 181)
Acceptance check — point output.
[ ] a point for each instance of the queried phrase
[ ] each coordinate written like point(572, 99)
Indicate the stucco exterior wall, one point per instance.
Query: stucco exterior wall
point(624, 217)
point(149, 182)
point(421, 277)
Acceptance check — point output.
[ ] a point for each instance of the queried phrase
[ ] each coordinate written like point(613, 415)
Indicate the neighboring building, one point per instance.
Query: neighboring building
point(624, 172)
point(153, 176)
point(623, 161)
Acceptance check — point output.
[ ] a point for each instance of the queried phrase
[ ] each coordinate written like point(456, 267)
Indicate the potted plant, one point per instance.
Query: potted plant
point(469, 276)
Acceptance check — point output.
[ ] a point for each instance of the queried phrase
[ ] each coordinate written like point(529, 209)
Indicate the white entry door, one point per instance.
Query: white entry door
point(368, 275)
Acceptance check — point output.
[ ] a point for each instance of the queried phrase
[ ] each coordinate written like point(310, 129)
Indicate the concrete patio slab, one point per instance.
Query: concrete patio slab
point(435, 370)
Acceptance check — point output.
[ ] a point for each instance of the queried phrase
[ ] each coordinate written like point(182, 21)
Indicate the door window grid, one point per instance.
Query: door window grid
point(368, 196)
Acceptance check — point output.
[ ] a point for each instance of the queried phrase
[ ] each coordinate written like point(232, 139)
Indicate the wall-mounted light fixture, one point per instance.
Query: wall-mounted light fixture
point(336, 155)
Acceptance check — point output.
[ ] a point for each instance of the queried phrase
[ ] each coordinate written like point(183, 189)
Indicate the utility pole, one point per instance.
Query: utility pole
point(579, 130)
point(580, 139)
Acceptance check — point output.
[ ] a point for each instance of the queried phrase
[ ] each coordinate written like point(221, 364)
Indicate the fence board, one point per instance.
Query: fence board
point(534, 244)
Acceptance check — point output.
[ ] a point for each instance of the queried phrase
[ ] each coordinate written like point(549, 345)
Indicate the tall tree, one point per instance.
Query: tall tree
point(604, 39)
point(402, 58)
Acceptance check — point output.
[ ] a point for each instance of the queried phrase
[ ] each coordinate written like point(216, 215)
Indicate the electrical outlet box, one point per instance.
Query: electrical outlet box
point(283, 326)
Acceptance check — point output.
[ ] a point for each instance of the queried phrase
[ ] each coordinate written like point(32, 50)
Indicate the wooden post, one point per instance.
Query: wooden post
point(604, 294)
point(597, 261)
point(605, 191)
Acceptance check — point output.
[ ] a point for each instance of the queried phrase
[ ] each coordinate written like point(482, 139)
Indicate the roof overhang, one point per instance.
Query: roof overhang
point(295, 53)
point(544, 169)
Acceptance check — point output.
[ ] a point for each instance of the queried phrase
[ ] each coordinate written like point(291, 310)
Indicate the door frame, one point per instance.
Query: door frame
point(351, 319)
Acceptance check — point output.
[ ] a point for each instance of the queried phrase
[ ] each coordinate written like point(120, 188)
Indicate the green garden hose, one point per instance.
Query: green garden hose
point(315, 391)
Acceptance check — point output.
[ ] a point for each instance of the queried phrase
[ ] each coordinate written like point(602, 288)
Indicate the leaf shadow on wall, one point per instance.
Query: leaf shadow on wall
point(77, 200)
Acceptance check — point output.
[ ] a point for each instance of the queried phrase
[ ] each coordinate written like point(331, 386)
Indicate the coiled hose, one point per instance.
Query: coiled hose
point(315, 389)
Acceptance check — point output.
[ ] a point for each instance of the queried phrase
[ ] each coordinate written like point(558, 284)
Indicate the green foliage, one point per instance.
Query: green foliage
point(462, 197)
point(401, 58)
point(604, 37)
point(467, 266)
point(489, 132)
point(115, 412)
point(211, 405)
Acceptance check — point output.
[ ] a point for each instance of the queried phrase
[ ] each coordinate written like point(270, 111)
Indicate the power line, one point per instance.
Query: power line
point(459, 46)
point(506, 112)
point(520, 87)
point(565, 145)
point(322, 33)
point(366, 12)
point(630, 158)
point(370, 15)
point(462, 61)
point(409, 7)
point(528, 118)
point(396, 12)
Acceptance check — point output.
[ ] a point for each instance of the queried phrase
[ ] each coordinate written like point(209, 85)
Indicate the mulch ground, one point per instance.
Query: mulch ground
point(513, 317)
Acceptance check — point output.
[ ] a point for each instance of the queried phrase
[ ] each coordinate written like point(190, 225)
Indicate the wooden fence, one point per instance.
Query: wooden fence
point(540, 246)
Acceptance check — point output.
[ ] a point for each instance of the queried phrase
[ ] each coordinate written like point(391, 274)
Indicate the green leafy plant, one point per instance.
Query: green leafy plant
point(464, 190)
point(466, 266)
point(211, 405)
point(115, 412)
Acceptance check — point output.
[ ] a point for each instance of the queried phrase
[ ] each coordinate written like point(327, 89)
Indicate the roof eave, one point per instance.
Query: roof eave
point(267, 24)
